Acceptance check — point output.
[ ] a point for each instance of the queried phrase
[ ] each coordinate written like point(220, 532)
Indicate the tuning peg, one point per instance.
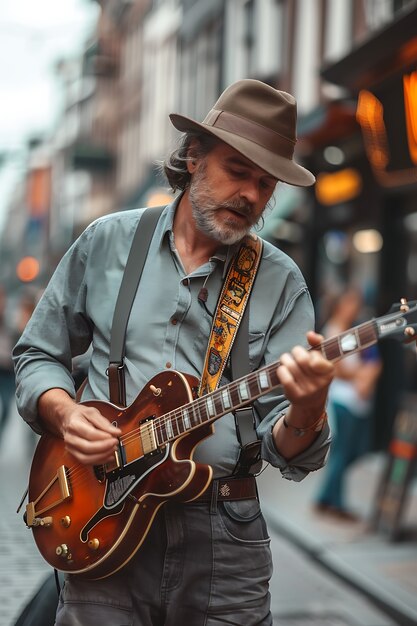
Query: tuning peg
point(404, 305)
point(409, 330)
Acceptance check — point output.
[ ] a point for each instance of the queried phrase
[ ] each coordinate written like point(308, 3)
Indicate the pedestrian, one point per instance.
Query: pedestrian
point(207, 561)
point(7, 381)
point(350, 407)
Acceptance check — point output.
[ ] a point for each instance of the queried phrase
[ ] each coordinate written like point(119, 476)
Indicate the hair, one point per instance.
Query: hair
point(175, 165)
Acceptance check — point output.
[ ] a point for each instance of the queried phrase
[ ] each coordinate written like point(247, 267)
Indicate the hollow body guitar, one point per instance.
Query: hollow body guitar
point(90, 520)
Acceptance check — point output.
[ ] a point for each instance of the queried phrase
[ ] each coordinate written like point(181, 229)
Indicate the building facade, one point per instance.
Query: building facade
point(351, 65)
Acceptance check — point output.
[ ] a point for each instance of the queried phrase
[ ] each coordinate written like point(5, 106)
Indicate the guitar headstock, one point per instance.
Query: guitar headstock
point(400, 322)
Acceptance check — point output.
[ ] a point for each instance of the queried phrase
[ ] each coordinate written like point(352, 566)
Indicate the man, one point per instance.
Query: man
point(204, 562)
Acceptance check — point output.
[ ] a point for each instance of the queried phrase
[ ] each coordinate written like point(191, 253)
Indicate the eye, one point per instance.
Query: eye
point(267, 184)
point(237, 173)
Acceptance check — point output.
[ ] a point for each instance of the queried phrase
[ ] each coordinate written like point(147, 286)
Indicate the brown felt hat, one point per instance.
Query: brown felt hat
point(259, 122)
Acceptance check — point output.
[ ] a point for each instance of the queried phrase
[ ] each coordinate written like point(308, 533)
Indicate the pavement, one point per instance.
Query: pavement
point(368, 561)
point(328, 572)
point(22, 569)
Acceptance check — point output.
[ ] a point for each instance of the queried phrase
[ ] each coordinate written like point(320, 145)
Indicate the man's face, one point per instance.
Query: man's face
point(228, 194)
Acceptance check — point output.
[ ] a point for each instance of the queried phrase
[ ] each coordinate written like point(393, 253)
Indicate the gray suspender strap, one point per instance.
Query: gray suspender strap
point(249, 461)
point(130, 281)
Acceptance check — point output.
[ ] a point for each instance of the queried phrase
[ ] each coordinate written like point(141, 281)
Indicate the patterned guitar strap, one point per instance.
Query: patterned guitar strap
point(230, 308)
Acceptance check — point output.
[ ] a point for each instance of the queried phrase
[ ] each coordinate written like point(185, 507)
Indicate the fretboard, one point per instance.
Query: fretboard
point(245, 390)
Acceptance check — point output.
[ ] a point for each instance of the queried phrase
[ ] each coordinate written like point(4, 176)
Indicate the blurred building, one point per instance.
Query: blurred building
point(352, 65)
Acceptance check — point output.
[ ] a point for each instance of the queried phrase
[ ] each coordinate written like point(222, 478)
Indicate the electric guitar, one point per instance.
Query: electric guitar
point(91, 520)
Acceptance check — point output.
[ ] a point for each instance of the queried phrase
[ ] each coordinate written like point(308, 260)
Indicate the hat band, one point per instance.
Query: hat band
point(247, 129)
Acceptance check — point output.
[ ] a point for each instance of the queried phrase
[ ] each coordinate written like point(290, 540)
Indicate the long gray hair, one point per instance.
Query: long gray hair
point(175, 165)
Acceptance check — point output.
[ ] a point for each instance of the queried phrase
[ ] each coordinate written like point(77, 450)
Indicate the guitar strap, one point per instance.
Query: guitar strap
point(230, 308)
point(129, 285)
point(229, 314)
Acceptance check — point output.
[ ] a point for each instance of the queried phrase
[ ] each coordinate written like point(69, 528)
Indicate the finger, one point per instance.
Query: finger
point(92, 459)
point(314, 339)
point(90, 451)
point(100, 422)
point(302, 361)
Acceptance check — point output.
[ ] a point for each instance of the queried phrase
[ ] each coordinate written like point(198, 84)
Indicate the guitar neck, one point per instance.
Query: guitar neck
point(245, 390)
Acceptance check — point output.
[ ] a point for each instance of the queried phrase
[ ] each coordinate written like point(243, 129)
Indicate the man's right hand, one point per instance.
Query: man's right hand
point(88, 435)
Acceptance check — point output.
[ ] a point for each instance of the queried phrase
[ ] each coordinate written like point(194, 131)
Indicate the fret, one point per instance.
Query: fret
point(357, 338)
point(218, 404)
point(243, 391)
point(180, 422)
point(195, 414)
point(169, 429)
point(349, 342)
point(253, 386)
point(160, 431)
point(186, 419)
point(263, 380)
point(234, 395)
point(225, 398)
point(211, 409)
point(202, 410)
point(367, 333)
point(331, 349)
point(325, 350)
point(273, 375)
point(174, 425)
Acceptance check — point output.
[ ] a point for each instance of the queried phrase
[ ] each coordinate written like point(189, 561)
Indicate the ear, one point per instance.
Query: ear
point(192, 160)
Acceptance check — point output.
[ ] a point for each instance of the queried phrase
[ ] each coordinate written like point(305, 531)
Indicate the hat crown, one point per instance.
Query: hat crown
point(261, 104)
point(259, 122)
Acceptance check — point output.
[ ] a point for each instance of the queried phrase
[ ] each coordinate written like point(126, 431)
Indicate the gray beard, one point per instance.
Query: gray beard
point(205, 218)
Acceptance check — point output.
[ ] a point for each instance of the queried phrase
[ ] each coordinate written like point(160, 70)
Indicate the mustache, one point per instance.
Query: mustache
point(241, 206)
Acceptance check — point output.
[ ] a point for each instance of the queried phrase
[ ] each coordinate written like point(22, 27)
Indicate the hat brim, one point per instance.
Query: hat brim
point(286, 170)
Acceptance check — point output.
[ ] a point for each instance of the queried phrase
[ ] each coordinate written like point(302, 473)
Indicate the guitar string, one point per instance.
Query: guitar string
point(201, 403)
point(161, 421)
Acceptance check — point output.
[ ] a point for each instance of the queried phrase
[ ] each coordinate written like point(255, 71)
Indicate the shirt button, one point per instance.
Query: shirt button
point(185, 281)
point(168, 364)
point(174, 321)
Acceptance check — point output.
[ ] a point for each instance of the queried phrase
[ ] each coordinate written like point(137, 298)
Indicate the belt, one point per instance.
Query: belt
point(230, 489)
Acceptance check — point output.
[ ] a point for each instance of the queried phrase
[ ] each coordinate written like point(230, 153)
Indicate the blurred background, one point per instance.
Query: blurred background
point(86, 88)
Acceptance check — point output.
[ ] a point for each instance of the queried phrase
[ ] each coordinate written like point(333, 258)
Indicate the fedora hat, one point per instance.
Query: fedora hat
point(259, 122)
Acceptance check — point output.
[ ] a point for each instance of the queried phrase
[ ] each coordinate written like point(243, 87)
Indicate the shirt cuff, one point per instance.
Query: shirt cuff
point(309, 460)
point(27, 397)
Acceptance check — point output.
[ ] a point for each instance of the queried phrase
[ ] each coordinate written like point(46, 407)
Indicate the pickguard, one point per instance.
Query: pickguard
point(120, 483)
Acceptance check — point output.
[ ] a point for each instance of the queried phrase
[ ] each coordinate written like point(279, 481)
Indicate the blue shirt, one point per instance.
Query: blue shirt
point(168, 328)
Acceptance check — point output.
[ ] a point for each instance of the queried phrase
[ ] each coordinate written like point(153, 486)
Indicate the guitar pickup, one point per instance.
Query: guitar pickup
point(148, 438)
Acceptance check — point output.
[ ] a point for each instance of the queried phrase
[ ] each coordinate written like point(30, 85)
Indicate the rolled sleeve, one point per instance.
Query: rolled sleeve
point(289, 329)
point(297, 468)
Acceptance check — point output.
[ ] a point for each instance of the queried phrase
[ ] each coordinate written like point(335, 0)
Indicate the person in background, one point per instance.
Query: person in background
point(7, 379)
point(205, 562)
point(350, 407)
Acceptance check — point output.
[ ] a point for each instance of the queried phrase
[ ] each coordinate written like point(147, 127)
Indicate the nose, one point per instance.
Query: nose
point(250, 191)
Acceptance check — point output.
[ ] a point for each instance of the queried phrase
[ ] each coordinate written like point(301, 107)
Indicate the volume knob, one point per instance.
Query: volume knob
point(62, 550)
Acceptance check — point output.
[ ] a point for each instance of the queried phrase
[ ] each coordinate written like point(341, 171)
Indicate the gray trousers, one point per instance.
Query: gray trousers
point(200, 565)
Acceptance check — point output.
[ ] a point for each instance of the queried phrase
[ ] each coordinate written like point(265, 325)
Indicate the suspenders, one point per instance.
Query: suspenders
point(249, 459)
point(129, 285)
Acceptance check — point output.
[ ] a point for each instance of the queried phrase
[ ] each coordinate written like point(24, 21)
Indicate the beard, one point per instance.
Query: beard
point(205, 210)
